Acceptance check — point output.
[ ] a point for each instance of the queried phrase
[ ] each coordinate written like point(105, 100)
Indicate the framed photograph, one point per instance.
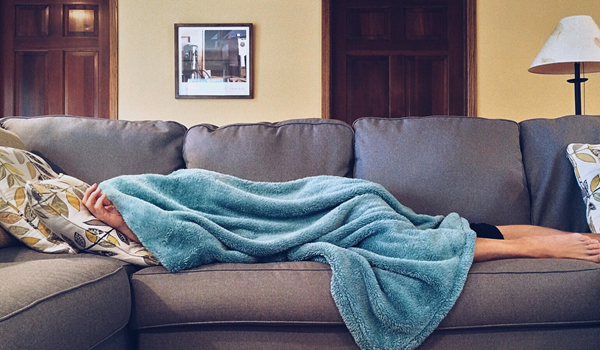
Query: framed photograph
point(213, 61)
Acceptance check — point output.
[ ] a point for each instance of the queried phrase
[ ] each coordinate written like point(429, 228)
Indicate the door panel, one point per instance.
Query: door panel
point(426, 22)
point(30, 78)
point(31, 20)
point(57, 59)
point(81, 20)
point(427, 85)
point(370, 23)
point(81, 83)
point(367, 80)
point(396, 58)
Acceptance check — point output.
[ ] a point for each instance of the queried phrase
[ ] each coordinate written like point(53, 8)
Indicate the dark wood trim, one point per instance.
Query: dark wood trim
point(113, 92)
point(326, 59)
point(471, 58)
point(8, 63)
point(471, 62)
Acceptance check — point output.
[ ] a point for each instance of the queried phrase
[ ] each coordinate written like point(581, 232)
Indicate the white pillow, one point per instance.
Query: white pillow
point(16, 168)
point(57, 202)
point(585, 159)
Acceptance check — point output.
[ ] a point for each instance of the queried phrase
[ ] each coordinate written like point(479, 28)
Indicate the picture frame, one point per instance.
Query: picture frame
point(213, 61)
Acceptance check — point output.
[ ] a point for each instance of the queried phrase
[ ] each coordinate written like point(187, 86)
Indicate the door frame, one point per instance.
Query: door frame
point(471, 57)
point(113, 79)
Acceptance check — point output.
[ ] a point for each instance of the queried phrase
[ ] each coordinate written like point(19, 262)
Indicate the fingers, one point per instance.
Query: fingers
point(94, 200)
point(89, 193)
point(103, 209)
point(99, 203)
point(107, 202)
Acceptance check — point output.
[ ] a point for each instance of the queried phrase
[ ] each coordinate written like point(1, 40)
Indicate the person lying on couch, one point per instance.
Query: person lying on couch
point(492, 242)
point(395, 273)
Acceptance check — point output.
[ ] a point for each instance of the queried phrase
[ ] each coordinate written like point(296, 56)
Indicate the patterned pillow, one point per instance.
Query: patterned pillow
point(16, 168)
point(6, 239)
point(585, 159)
point(9, 139)
point(57, 202)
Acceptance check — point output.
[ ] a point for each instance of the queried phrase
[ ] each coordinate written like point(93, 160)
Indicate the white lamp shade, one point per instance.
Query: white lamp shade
point(575, 39)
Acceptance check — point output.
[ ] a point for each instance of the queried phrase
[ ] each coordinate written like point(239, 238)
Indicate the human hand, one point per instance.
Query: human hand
point(104, 210)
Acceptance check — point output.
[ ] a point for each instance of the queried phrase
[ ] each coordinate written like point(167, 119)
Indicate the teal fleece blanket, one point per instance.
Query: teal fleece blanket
point(395, 273)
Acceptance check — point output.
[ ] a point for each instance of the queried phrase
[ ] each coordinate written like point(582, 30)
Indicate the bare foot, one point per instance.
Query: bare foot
point(570, 246)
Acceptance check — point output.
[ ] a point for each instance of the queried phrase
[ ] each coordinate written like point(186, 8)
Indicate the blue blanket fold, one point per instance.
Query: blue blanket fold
point(395, 273)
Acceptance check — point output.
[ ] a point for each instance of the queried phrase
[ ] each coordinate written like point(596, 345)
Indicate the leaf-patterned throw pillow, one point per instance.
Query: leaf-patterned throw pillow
point(9, 139)
point(585, 159)
point(16, 168)
point(57, 202)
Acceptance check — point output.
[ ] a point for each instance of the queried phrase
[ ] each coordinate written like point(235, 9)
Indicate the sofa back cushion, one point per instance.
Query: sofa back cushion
point(281, 151)
point(556, 199)
point(94, 149)
point(438, 165)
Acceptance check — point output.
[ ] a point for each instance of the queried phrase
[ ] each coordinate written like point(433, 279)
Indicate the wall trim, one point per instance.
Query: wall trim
point(113, 83)
point(326, 59)
point(471, 58)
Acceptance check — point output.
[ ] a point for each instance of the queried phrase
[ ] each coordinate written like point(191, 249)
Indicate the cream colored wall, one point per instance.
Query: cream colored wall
point(287, 66)
point(288, 60)
point(510, 33)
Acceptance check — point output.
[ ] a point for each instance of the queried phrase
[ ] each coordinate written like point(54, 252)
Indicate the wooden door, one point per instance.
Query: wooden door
point(58, 57)
point(398, 58)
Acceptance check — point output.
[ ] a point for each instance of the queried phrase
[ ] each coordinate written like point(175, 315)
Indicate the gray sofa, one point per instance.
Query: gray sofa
point(494, 171)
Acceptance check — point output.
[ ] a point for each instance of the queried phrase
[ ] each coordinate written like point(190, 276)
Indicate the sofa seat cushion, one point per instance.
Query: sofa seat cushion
point(281, 151)
point(497, 294)
point(93, 149)
point(438, 165)
point(288, 293)
point(528, 293)
point(60, 301)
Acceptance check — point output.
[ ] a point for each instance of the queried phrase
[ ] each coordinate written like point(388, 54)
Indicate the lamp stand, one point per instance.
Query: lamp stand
point(577, 84)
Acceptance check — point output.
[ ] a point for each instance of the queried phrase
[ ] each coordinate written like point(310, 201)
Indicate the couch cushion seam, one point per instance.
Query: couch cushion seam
point(332, 323)
point(531, 272)
point(108, 336)
point(278, 125)
point(55, 294)
point(521, 324)
point(246, 322)
point(228, 270)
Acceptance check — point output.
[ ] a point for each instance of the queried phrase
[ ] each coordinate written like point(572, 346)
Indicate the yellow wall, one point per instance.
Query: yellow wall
point(287, 66)
point(510, 33)
point(288, 60)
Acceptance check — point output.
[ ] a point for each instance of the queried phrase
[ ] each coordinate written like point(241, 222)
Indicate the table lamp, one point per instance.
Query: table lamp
point(573, 47)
